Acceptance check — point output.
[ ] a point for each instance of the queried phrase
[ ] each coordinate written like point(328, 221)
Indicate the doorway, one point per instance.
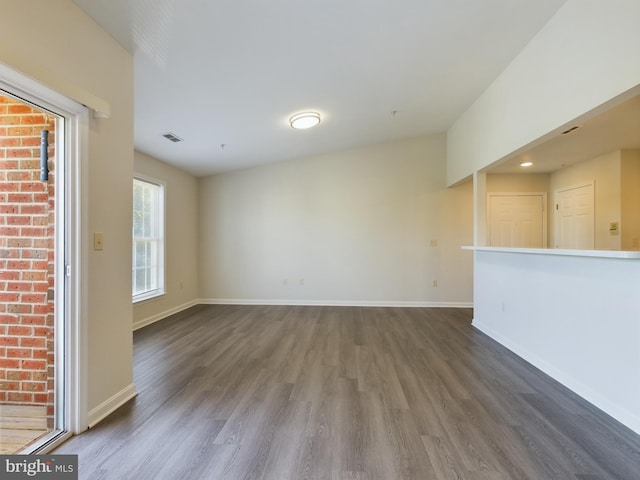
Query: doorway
point(574, 218)
point(42, 310)
point(28, 259)
point(517, 220)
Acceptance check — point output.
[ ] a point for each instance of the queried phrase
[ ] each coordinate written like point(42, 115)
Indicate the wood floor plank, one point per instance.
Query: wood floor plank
point(345, 393)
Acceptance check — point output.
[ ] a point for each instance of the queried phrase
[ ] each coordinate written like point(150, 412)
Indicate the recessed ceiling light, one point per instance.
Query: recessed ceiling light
point(303, 120)
point(526, 164)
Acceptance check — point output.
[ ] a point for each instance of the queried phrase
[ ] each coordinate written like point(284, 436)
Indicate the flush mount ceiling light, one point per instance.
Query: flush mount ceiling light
point(526, 164)
point(303, 120)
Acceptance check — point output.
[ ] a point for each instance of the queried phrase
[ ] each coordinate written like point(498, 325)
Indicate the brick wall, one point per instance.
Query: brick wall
point(26, 258)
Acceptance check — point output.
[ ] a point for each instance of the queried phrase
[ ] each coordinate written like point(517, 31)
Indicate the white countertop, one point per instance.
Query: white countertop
point(559, 251)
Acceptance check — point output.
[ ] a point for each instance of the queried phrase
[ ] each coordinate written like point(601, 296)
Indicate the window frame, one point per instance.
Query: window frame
point(161, 242)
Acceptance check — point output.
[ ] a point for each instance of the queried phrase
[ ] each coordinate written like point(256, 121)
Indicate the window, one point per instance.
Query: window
point(148, 239)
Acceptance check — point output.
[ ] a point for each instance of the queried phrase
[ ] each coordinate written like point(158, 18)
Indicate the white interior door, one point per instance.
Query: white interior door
point(575, 218)
point(517, 220)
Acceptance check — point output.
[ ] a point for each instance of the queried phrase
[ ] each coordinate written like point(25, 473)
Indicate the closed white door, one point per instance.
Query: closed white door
point(575, 218)
point(517, 220)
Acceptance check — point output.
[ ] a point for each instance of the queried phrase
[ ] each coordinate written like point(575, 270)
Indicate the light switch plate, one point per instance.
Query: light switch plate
point(98, 241)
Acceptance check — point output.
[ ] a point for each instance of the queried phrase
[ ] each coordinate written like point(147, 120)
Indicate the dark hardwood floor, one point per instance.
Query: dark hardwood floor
point(281, 392)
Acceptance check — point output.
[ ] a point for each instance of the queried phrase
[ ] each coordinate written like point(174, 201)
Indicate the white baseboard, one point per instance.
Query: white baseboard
point(159, 316)
point(106, 408)
point(332, 303)
point(597, 399)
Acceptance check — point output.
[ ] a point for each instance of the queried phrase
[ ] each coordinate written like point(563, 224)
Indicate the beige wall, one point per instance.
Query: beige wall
point(62, 45)
point(350, 227)
point(604, 173)
point(181, 227)
point(630, 201)
point(518, 182)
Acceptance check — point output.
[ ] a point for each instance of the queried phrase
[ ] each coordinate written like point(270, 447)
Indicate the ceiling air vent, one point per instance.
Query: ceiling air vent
point(173, 137)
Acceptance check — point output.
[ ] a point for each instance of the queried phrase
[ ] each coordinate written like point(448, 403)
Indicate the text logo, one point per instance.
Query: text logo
point(52, 467)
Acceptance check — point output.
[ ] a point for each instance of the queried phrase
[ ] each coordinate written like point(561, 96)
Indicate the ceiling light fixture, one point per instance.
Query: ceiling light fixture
point(526, 164)
point(303, 120)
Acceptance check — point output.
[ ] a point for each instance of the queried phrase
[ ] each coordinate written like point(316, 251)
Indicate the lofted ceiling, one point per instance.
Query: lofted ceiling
point(225, 75)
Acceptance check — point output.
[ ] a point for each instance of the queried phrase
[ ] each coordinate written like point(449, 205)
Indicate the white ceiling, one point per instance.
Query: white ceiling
point(231, 72)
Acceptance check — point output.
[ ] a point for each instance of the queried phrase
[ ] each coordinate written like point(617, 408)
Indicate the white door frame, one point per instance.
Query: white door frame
point(519, 194)
point(71, 299)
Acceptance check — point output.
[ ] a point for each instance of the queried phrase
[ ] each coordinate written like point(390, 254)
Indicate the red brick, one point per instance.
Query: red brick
point(43, 398)
point(9, 297)
point(33, 120)
point(19, 243)
point(9, 341)
point(19, 353)
point(39, 254)
point(39, 376)
point(10, 231)
point(32, 342)
point(18, 264)
point(21, 330)
point(39, 265)
point(9, 187)
point(18, 220)
point(18, 308)
point(34, 231)
point(28, 186)
point(32, 319)
point(8, 164)
point(31, 141)
point(19, 397)
point(9, 363)
point(19, 108)
point(6, 385)
point(8, 319)
point(10, 141)
point(9, 253)
point(9, 209)
point(33, 386)
point(42, 331)
point(34, 365)
point(19, 131)
point(38, 209)
point(19, 197)
point(19, 375)
point(39, 353)
point(34, 276)
point(9, 120)
point(19, 153)
point(42, 309)
point(9, 275)
point(18, 176)
point(19, 287)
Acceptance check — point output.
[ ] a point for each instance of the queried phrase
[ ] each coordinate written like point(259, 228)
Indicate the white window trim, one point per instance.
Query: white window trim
point(161, 291)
